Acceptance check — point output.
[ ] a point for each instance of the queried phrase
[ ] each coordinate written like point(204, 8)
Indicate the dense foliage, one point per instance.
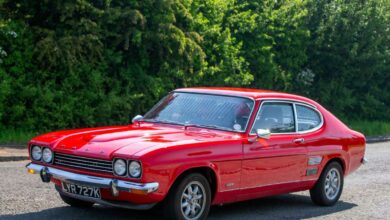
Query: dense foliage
point(78, 63)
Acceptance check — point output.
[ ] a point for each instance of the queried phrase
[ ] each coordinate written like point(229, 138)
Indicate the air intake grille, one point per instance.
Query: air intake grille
point(83, 163)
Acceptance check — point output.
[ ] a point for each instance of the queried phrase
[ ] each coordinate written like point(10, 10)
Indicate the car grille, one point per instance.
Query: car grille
point(83, 162)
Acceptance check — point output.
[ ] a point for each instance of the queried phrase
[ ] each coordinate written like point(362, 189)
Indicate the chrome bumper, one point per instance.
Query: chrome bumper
point(93, 181)
point(364, 160)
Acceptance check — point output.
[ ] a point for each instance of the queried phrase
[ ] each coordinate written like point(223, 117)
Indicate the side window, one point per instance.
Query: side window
point(278, 117)
point(307, 118)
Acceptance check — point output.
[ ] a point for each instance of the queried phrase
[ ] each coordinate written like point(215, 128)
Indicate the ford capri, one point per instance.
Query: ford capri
point(200, 147)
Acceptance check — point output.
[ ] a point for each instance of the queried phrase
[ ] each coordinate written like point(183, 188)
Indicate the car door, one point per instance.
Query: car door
point(279, 160)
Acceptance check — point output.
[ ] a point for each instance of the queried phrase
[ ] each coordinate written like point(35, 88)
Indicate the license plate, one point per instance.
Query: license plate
point(81, 190)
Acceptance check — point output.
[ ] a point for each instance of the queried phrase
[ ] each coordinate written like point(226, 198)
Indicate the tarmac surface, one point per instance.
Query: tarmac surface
point(366, 195)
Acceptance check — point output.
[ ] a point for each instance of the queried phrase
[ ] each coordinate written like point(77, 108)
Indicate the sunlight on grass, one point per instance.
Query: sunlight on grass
point(12, 136)
point(370, 128)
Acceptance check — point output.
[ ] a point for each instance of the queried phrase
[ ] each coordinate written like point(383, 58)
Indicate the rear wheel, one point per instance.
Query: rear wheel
point(329, 186)
point(189, 199)
point(75, 202)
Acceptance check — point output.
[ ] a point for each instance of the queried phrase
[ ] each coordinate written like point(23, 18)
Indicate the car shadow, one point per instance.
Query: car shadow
point(289, 206)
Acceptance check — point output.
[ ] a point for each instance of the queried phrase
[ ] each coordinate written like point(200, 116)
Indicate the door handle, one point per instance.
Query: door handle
point(299, 140)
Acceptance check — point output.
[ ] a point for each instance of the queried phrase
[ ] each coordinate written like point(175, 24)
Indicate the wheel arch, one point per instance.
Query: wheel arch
point(338, 160)
point(206, 171)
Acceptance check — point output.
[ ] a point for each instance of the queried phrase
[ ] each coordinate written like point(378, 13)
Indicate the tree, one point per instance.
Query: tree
point(349, 54)
point(273, 36)
point(79, 63)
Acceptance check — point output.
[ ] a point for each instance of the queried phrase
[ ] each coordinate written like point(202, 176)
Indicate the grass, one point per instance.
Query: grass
point(370, 128)
point(13, 136)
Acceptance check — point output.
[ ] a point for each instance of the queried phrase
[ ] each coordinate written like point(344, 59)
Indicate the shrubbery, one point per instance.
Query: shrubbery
point(68, 63)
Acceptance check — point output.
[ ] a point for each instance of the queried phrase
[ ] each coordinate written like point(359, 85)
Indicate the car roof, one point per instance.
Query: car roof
point(246, 92)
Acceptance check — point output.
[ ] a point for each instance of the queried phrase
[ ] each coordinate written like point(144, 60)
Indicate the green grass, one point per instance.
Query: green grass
point(370, 128)
point(12, 136)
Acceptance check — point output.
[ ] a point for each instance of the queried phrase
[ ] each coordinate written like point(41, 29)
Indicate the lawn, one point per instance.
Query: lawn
point(368, 128)
point(14, 136)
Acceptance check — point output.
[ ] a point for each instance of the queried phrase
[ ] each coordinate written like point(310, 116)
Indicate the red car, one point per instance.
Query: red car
point(199, 147)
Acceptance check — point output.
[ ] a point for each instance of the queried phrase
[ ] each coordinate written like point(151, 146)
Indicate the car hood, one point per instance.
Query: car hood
point(108, 142)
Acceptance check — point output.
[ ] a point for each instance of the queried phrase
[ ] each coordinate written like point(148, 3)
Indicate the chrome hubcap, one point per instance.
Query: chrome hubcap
point(332, 184)
point(193, 200)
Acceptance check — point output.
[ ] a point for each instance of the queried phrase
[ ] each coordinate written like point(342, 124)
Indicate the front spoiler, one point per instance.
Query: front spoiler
point(93, 181)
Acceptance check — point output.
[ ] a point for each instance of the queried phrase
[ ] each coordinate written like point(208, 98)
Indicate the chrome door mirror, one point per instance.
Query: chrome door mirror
point(137, 118)
point(263, 133)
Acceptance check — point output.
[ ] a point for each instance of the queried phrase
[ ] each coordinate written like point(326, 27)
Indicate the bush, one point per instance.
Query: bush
point(67, 64)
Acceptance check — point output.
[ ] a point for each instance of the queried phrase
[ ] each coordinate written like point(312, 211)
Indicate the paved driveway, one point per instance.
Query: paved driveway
point(366, 195)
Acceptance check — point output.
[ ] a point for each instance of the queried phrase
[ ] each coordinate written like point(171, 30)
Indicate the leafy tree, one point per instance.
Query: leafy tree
point(79, 63)
point(273, 36)
point(349, 54)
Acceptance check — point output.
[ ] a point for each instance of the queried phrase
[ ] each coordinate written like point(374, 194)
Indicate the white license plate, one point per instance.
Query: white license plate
point(87, 191)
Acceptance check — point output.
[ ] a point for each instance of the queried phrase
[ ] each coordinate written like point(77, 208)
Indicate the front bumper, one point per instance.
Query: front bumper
point(114, 185)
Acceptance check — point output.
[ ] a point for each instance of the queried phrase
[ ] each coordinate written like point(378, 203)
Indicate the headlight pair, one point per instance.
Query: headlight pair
point(132, 167)
point(41, 153)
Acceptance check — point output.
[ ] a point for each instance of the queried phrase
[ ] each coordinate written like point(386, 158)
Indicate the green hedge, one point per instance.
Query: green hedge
point(68, 63)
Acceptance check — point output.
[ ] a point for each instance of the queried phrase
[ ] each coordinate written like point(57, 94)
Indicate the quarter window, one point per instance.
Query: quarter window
point(307, 118)
point(278, 117)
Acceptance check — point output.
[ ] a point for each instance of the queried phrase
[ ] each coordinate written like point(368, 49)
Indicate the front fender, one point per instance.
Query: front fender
point(197, 166)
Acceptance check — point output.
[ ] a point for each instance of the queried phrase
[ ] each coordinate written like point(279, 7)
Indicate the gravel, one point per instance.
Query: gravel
point(366, 195)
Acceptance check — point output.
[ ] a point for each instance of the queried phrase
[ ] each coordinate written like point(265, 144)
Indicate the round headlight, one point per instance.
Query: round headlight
point(135, 169)
point(120, 167)
point(47, 155)
point(36, 153)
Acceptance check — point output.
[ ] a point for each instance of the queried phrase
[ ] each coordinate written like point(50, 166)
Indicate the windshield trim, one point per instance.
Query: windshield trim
point(200, 126)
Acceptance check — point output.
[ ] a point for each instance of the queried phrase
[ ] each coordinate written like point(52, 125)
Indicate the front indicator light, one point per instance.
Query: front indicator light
point(139, 191)
point(31, 171)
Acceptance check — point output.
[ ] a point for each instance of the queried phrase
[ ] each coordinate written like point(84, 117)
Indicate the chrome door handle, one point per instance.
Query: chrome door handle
point(299, 140)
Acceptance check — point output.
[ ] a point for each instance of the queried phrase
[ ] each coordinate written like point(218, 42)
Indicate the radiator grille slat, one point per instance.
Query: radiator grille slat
point(84, 160)
point(83, 163)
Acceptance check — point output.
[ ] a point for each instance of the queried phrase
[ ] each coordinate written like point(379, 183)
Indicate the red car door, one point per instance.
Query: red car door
point(277, 163)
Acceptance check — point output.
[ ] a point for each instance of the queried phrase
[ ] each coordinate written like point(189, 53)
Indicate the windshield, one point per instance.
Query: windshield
point(203, 110)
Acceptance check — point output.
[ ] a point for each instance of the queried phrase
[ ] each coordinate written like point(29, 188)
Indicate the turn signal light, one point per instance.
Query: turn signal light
point(138, 191)
point(31, 171)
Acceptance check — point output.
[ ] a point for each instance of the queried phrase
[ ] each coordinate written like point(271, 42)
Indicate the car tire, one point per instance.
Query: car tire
point(329, 186)
point(191, 193)
point(75, 202)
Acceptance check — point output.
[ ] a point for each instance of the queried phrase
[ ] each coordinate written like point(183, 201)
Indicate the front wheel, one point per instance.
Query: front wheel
point(190, 199)
point(329, 186)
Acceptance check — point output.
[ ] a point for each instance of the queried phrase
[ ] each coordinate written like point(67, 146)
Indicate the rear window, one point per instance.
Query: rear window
point(307, 118)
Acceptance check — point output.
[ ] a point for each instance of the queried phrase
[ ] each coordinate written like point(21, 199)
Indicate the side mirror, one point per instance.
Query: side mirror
point(137, 118)
point(263, 133)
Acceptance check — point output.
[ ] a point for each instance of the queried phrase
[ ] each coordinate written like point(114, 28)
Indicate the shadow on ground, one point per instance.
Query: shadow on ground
point(289, 206)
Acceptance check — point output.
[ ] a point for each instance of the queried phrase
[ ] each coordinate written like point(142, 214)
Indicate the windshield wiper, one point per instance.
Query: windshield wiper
point(208, 126)
point(161, 121)
point(188, 125)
